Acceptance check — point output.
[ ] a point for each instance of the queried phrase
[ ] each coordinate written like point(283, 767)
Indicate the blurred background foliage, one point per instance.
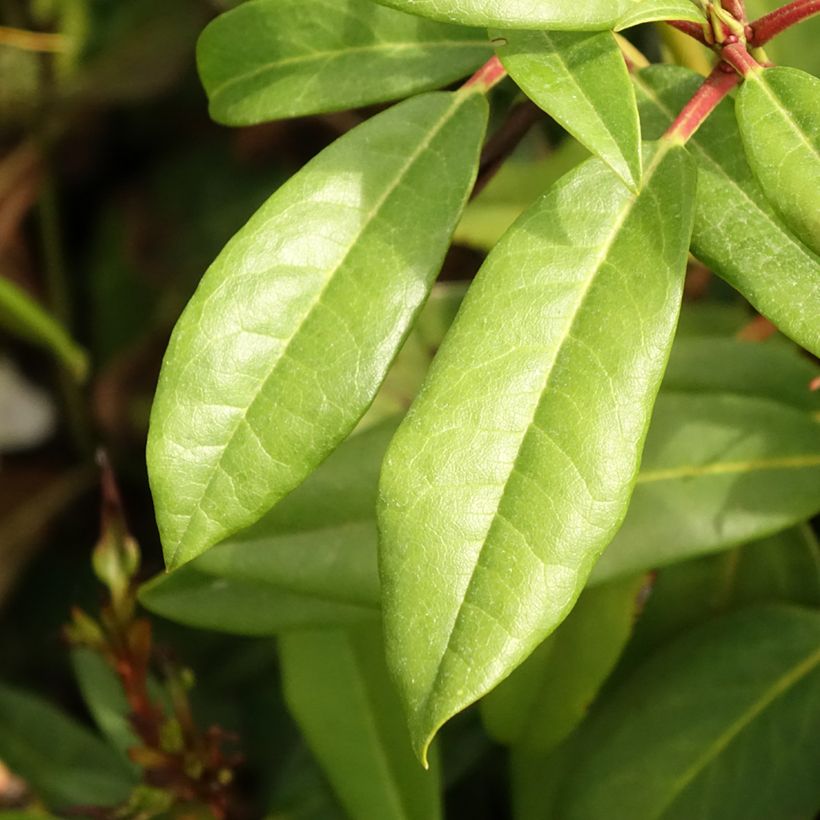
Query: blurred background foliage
point(116, 192)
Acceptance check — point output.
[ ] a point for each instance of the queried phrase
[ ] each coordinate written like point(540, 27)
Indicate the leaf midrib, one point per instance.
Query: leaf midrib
point(729, 468)
point(598, 264)
point(791, 678)
point(326, 56)
point(457, 102)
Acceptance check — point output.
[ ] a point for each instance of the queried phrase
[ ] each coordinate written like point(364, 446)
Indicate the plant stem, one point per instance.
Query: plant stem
point(715, 87)
point(690, 28)
point(490, 74)
point(736, 55)
point(32, 40)
point(736, 8)
point(763, 29)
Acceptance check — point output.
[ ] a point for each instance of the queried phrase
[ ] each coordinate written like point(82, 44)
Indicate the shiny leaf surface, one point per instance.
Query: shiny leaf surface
point(582, 82)
point(514, 467)
point(289, 335)
point(737, 232)
point(270, 59)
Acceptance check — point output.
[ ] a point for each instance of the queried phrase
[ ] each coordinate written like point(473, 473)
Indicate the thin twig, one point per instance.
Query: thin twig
point(715, 87)
point(763, 29)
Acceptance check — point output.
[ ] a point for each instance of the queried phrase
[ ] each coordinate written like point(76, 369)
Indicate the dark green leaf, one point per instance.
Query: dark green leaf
point(338, 689)
point(590, 15)
point(721, 725)
point(267, 370)
point(515, 465)
point(582, 82)
point(778, 113)
point(737, 233)
point(63, 761)
point(548, 695)
point(269, 59)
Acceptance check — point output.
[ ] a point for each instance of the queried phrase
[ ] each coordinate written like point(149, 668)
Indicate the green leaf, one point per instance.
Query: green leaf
point(63, 762)
point(511, 191)
point(778, 113)
point(22, 316)
point(582, 82)
point(496, 497)
point(337, 687)
point(590, 15)
point(548, 695)
point(310, 561)
point(721, 725)
point(269, 59)
point(717, 470)
point(737, 233)
point(784, 567)
point(104, 696)
point(267, 371)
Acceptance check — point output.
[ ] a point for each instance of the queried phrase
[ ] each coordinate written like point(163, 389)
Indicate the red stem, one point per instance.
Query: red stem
point(715, 87)
point(736, 55)
point(736, 8)
point(770, 25)
point(491, 73)
point(690, 28)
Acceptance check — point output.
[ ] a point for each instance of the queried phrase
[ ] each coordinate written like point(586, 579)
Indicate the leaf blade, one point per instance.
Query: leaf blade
point(580, 80)
point(249, 401)
point(271, 59)
point(437, 496)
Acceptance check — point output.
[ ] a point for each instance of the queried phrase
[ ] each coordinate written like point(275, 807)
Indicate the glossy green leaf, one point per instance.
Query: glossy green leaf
point(63, 761)
point(720, 725)
point(784, 567)
point(582, 82)
point(737, 232)
point(22, 316)
point(310, 561)
point(511, 191)
point(289, 335)
point(337, 687)
point(560, 15)
point(515, 465)
point(548, 695)
point(717, 470)
point(269, 59)
point(778, 113)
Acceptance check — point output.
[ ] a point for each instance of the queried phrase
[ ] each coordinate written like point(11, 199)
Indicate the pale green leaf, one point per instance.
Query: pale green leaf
point(269, 59)
point(543, 700)
point(581, 81)
point(778, 113)
point(737, 233)
point(22, 316)
point(720, 725)
point(289, 335)
point(337, 687)
point(511, 191)
point(63, 761)
point(311, 561)
point(718, 469)
point(514, 467)
point(566, 15)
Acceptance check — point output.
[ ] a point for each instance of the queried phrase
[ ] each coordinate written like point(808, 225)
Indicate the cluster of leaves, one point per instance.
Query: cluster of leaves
point(595, 496)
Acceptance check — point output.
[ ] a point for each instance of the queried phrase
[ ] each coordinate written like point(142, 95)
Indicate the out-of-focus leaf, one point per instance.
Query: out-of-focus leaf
point(311, 561)
point(581, 81)
point(722, 724)
point(338, 689)
point(105, 699)
point(778, 113)
point(59, 758)
point(591, 15)
point(27, 414)
point(737, 232)
point(718, 469)
point(22, 316)
point(543, 700)
point(497, 471)
point(252, 395)
point(511, 191)
point(712, 319)
point(270, 59)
